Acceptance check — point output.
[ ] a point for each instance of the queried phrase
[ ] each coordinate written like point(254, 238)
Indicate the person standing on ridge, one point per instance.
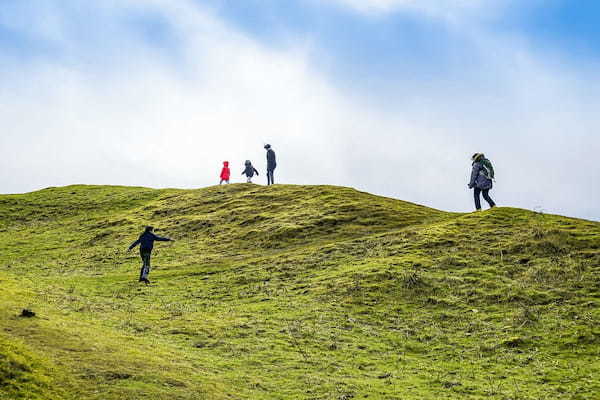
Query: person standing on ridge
point(271, 164)
point(249, 171)
point(146, 242)
point(225, 173)
point(482, 176)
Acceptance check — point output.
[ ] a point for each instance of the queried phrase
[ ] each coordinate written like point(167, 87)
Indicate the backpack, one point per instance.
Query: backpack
point(488, 169)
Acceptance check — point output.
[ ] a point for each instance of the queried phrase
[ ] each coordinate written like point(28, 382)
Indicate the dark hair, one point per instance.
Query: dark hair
point(149, 228)
point(267, 146)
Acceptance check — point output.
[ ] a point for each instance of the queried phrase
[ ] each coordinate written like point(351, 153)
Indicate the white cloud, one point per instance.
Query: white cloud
point(163, 126)
point(445, 9)
point(138, 119)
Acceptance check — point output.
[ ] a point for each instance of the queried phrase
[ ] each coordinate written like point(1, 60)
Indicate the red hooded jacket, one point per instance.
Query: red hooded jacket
point(225, 173)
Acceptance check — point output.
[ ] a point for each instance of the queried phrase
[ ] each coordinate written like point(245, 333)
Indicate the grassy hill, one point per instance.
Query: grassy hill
point(293, 292)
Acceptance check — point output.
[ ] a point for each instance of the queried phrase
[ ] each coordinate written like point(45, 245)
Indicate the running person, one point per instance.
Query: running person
point(146, 242)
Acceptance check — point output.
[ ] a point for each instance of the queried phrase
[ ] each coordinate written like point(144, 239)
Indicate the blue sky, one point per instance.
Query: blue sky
point(571, 27)
point(390, 96)
point(347, 43)
point(353, 48)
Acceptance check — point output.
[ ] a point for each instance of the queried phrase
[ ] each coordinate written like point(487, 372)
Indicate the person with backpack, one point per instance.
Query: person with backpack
point(271, 165)
point(249, 171)
point(482, 176)
point(225, 173)
point(146, 242)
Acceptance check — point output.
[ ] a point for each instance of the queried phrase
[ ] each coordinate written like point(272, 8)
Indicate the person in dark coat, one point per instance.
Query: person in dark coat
point(249, 171)
point(146, 242)
point(481, 179)
point(271, 164)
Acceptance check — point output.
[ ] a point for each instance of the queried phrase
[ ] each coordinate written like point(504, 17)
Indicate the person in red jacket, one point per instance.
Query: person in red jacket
point(225, 173)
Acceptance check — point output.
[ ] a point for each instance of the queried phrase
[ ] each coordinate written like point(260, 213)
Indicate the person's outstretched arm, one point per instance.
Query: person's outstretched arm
point(162, 239)
point(134, 244)
point(256, 172)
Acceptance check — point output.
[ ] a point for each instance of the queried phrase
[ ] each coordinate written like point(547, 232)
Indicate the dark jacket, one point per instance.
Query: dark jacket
point(271, 163)
point(249, 171)
point(478, 178)
point(146, 241)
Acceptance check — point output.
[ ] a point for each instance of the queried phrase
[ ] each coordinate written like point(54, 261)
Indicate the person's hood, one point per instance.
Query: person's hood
point(226, 163)
point(478, 157)
point(248, 162)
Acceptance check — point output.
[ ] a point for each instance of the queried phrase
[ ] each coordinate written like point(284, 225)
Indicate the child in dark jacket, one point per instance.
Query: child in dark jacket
point(225, 173)
point(146, 242)
point(249, 171)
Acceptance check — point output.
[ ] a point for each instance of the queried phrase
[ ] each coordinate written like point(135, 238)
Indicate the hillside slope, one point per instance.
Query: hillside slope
point(293, 292)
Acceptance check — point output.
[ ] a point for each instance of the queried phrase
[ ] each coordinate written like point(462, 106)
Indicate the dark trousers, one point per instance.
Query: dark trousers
point(145, 256)
point(270, 177)
point(486, 196)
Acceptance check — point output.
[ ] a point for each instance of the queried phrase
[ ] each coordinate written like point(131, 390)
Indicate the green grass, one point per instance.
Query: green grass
point(293, 292)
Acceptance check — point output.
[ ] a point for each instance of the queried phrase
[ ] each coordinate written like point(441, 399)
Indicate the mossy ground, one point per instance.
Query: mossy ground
point(293, 292)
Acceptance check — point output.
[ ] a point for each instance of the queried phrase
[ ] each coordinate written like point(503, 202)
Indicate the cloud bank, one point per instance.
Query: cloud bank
point(158, 94)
